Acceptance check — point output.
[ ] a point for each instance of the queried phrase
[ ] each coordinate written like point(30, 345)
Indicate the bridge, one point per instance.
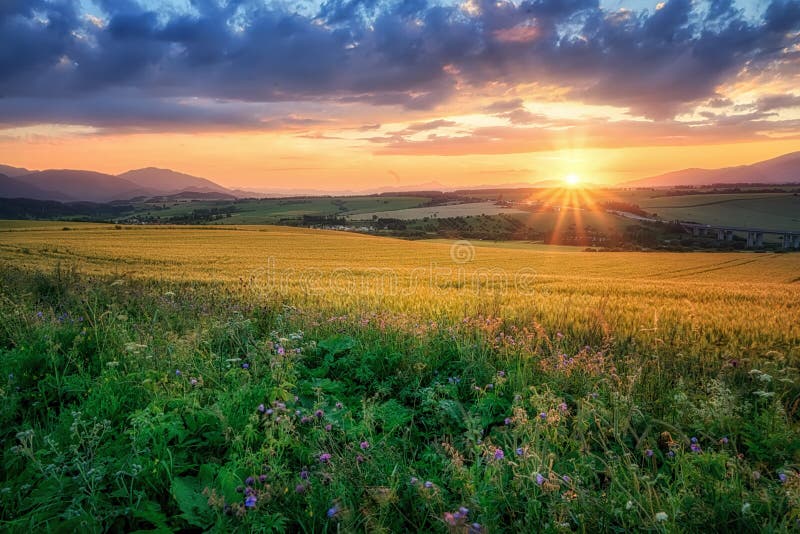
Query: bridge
point(755, 236)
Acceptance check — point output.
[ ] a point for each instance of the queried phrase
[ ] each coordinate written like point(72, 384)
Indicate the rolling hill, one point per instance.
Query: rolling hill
point(16, 188)
point(169, 181)
point(783, 169)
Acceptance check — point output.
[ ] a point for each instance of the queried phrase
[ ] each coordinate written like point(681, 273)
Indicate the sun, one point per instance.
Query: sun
point(572, 180)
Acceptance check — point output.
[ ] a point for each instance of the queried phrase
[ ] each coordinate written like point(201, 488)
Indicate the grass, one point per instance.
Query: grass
point(266, 379)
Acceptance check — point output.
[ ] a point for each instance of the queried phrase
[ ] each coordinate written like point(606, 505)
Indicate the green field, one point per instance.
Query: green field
point(274, 379)
point(772, 211)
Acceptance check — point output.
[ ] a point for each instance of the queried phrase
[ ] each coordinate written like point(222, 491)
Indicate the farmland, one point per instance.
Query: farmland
point(274, 379)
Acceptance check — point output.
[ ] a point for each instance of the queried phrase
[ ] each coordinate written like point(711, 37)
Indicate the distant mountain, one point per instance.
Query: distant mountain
point(783, 169)
point(83, 185)
point(169, 181)
point(11, 172)
point(15, 188)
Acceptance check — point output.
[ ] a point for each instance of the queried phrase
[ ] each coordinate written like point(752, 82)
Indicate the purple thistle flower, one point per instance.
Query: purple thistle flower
point(262, 478)
point(305, 419)
point(499, 454)
point(696, 448)
point(281, 351)
point(360, 459)
point(543, 416)
point(539, 479)
point(325, 457)
point(250, 501)
point(304, 474)
point(364, 445)
point(339, 405)
point(328, 427)
point(671, 454)
point(428, 484)
point(507, 421)
point(262, 408)
point(249, 481)
point(649, 453)
point(319, 414)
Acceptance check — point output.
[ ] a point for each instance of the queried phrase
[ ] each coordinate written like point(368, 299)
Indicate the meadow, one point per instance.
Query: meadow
point(271, 379)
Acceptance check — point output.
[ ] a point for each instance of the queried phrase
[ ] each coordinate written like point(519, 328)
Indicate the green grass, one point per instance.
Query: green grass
point(629, 392)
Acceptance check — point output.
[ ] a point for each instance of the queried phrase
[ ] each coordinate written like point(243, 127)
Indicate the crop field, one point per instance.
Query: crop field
point(273, 379)
point(467, 209)
point(772, 211)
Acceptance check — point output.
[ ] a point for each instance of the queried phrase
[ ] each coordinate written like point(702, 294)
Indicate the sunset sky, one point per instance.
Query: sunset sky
point(353, 94)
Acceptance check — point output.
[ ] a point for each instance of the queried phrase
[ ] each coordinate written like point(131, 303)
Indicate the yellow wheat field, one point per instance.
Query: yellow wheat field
point(726, 302)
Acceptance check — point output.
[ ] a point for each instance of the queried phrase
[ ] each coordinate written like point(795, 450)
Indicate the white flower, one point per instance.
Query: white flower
point(661, 517)
point(629, 505)
point(745, 507)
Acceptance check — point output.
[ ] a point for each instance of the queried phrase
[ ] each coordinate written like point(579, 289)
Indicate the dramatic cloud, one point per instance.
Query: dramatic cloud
point(409, 53)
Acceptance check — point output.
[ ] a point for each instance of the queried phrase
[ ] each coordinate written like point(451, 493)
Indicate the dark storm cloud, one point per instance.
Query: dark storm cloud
point(408, 53)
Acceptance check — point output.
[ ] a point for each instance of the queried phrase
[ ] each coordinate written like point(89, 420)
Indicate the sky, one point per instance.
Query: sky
point(356, 94)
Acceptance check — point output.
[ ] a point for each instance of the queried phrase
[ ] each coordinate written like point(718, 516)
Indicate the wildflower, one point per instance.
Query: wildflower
point(279, 405)
point(281, 351)
point(319, 414)
point(629, 505)
point(501, 374)
point(696, 448)
point(563, 406)
point(724, 440)
point(332, 511)
point(463, 510)
point(250, 501)
point(339, 405)
point(543, 416)
point(360, 459)
point(489, 386)
point(649, 453)
point(507, 421)
point(520, 451)
point(304, 474)
point(364, 445)
point(413, 481)
point(474, 528)
point(539, 479)
point(328, 427)
point(262, 478)
point(661, 517)
point(499, 454)
point(270, 412)
point(745, 507)
point(262, 408)
point(305, 419)
point(559, 335)
point(325, 457)
point(428, 484)
point(782, 477)
point(249, 481)
point(671, 454)
point(566, 479)
point(693, 440)
point(177, 372)
point(245, 366)
point(450, 519)
point(193, 381)
point(300, 488)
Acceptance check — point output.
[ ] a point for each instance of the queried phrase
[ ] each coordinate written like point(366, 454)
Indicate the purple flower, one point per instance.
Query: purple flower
point(543, 416)
point(177, 372)
point(566, 479)
point(428, 484)
point(539, 479)
point(694, 439)
point(474, 528)
point(520, 451)
point(305, 419)
point(249, 481)
point(339, 405)
point(463, 510)
point(671, 454)
point(501, 374)
point(360, 459)
point(193, 381)
point(364, 445)
point(270, 411)
point(300, 488)
point(262, 478)
point(304, 474)
point(262, 408)
point(696, 448)
point(325, 457)
point(649, 453)
point(724, 440)
point(328, 427)
point(332, 511)
point(319, 414)
point(413, 481)
point(250, 501)
point(507, 421)
point(245, 366)
point(563, 406)
point(489, 386)
point(782, 477)
point(281, 351)
point(499, 454)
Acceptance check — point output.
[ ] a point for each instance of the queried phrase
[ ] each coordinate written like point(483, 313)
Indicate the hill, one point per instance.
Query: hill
point(10, 171)
point(169, 181)
point(15, 188)
point(783, 169)
point(83, 185)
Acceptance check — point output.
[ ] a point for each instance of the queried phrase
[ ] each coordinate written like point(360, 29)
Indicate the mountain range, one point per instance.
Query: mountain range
point(780, 170)
point(67, 185)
